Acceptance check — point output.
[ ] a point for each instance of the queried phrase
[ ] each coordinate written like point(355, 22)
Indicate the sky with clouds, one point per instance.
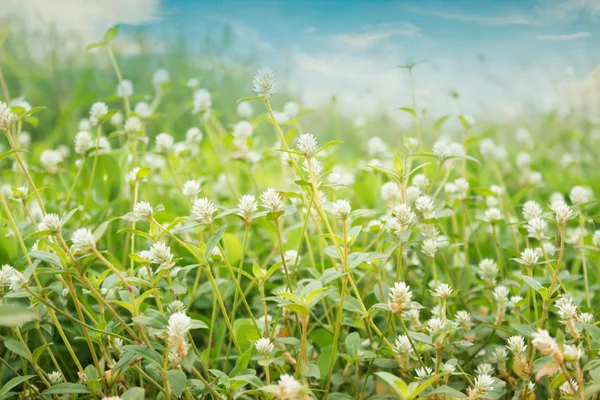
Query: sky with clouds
point(503, 57)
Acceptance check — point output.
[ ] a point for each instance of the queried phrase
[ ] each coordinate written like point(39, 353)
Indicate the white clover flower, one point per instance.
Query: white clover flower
point(429, 247)
point(567, 388)
point(176, 306)
point(248, 207)
point(536, 227)
point(160, 77)
point(529, 257)
point(464, 319)
point(307, 144)
point(563, 213)
point(448, 368)
point(493, 215)
point(50, 222)
point(411, 195)
point(7, 117)
point(290, 389)
point(244, 109)
point(83, 142)
point(164, 142)
point(434, 325)
point(142, 110)
point(499, 355)
point(242, 130)
point(194, 135)
point(531, 210)
point(441, 149)
point(125, 88)
point(50, 159)
point(514, 300)
point(377, 147)
point(203, 210)
point(423, 372)
point(179, 325)
point(586, 318)
point(400, 297)
point(546, 344)
point(488, 270)
point(97, 111)
point(202, 101)
point(55, 377)
point(160, 254)
point(143, 210)
point(424, 204)
point(191, 188)
point(404, 215)
point(572, 353)
point(83, 240)
point(580, 195)
point(271, 200)
point(567, 310)
point(17, 280)
point(402, 345)
point(264, 82)
point(443, 291)
point(483, 384)
point(291, 109)
point(6, 273)
point(84, 124)
point(132, 125)
point(264, 346)
point(341, 209)
point(390, 193)
point(516, 345)
point(501, 294)
point(131, 176)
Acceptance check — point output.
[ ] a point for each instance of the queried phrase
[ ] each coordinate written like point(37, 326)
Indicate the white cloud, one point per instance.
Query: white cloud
point(569, 36)
point(569, 9)
point(371, 34)
point(478, 19)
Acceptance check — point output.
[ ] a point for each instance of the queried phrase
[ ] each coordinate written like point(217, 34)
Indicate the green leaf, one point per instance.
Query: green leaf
point(447, 390)
point(67, 388)
point(214, 240)
point(13, 383)
point(4, 34)
point(16, 347)
point(135, 393)
point(408, 110)
point(38, 352)
point(248, 99)
point(111, 33)
point(398, 165)
point(46, 256)
point(396, 383)
point(148, 354)
point(93, 46)
point(15, 315)
point(177, 380)
point(531, 282)
point(352, 342)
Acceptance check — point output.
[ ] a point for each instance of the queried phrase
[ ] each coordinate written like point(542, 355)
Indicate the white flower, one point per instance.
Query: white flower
point(6, 273)
point(97, 111)
point(160, 77)
point(176, 306)
point(142, 109)
point(142, 210)
point(125, 88)
point(484, 369)
point(572, 352)
point(50, 222)
point(567, 388)
point(596, 238)
point(17, 280)
point(160, 254)
point(567, 310)
point(531, 209)
point(179, 325)
point(291, 109)
point(390, 193)
point(516, 344)
point(290, 389)
point(429, 247)
point(377, 147)
point(580, 194)
point(193, 135)
point(404, 215)
point(50, 159)
point(7, 117)
point(193, 83)
point(20, 102)
point(424, 204)
point(488, 270)
point(242, 130)
point(402, 345)
point(536, 227)
point(132, 125)
point(264, 346)
point(400, 297)
point(546, 344)
point(341, 209)
point(191, 188)
point(563, 213)
point(117, 119)
point(586, 318)
point(501, 294)
point(434, 325)
point(483, 384)
point(55, 377)
point(244, 109)
point(83, 240)
point(202, 101)
point(264, 82)
point(448, 368)
point(423, 372)
point(443, 290)
point(514, 300)
point(203, 210)
point(523, 160)
point(420, 181)
point(83, 142)
point(248, 207)
point(492, 215)
point(529, 257)
point(164, 142)
point(307, 144)
point(271, 200)
point(464, 319)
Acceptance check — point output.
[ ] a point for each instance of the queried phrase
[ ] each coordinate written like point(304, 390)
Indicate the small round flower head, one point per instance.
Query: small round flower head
point(264, 82)
point(307, 144)
point(488, 270)
point(132, 125)
point(117, 119)
point(193, 135)
point(567, 388)
point(516, 345)
point(125, 88)
point(404, 215)
point(160, 254)
point(501, 294)
point(83, 142)
point(442, 150)
point(400, 297)
point(464, 319)
point(83, 240)
point(179, 325)
point(596, 239)
point(420, 181)
point(291, 109)
point(390, 193)
point(523, 160)
point(483, 384)
point(563, 214)
point(341, 209)
point(191, 188)
point(546, 344)
point(580, 195)
point(443, 291)
point(402, 345)
point(531, 209)
point(50, 159)
point(160, 77)
point(203, 210)
point(264, 346)
point(448, 368)
point(529, 257)
point(6, 273)
point(248, 207)
point(572, 352)
point(202, 101)
point(55, 377)
point(97, 111)
point(586, 318)
point(492, 215)
point(514, 301)
point(313, 168)
point(242, 130)
point(567, 310)
point(423, 372)
point(424, 204)
point(142, 110)
point(429, 247)
point(289, 388)
point(244, 109)
point(164, 142)
point(142, 210)
point(271, 200)
point(499, 355)
point(176, 306)
point(7, 117)
point(50, 222)
point(434, 325)
point(536, 227)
